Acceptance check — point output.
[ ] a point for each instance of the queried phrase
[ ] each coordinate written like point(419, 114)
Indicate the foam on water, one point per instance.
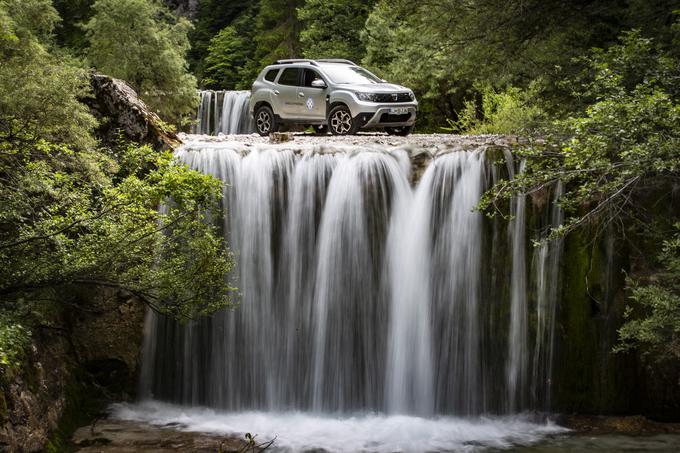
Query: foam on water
point(299, 431)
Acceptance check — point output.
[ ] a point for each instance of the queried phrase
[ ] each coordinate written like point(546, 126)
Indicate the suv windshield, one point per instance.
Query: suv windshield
point(349, 74)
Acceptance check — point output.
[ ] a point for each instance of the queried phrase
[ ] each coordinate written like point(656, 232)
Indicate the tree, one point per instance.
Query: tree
point(212, 16)
point(332, 29)
point(228, 53)
point(69, 32)
point(143, 43)
point(39, 93)
point(275, 35)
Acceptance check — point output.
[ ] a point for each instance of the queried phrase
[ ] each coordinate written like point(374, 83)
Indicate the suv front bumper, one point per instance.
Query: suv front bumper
point(385, 117)
point(369, 114)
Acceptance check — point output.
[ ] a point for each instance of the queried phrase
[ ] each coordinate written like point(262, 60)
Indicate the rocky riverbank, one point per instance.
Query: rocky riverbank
point(631, 424)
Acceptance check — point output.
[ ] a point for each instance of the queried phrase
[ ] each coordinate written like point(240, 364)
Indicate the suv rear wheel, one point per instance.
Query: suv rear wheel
point(265, 121)
point(401, 130)
point(340, 121)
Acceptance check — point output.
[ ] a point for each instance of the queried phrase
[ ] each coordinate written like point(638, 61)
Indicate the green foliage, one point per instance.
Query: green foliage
point(512, 111)
point(74, 215)
point(79, 218)
point(211, 17)
point(625, 144)
point(14, 340)
point(657, 333)
point(141, 42)
point(275, 35)
point(227, 54)
point(69, 32)
point(443, 49)
point(332, 29)
point(39, 94)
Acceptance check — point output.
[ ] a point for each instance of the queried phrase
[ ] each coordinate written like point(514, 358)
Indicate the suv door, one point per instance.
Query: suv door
point(314, 99)
point(286, 102)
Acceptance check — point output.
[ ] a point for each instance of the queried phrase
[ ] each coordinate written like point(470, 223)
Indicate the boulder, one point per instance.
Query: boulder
point(119, 110)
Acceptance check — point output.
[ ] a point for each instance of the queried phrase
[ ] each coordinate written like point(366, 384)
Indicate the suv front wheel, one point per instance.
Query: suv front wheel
point(340, 121)
point(265, 121)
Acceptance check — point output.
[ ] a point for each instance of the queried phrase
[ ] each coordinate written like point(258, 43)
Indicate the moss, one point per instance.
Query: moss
point(4, 411)
point(589, 377)
point(578, 339)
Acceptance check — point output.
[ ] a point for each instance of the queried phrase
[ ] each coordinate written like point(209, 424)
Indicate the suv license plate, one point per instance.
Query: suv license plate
point(398, 110)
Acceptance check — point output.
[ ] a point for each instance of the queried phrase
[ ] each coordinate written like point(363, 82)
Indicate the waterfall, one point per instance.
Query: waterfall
point(224, 112)
point(202, 125)
point(361, 293)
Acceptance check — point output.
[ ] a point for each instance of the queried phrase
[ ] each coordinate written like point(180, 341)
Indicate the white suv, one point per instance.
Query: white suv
point(329, 94)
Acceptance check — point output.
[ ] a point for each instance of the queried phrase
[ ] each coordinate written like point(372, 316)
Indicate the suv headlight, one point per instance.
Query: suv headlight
point(371, 97)
point(411, 95)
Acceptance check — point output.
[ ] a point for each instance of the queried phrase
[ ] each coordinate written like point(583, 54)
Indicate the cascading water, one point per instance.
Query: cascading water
point(409, 374)
point(516, 368)
point(224, 112)
point(547, 259)
point(456, 187)
point(360, 294)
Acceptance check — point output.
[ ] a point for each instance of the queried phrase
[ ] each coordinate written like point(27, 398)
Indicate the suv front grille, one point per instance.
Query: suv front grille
point(393, 97)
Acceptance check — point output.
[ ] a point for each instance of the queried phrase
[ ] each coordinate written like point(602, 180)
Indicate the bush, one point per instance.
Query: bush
point(510, 111)
point(653, 319)
point(14, 341)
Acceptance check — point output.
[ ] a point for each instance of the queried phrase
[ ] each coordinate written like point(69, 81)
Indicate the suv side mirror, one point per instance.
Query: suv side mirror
point(319, 83)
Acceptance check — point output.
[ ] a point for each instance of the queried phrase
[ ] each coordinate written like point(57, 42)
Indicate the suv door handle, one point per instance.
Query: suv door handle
point(276, 92)
point(301, 94)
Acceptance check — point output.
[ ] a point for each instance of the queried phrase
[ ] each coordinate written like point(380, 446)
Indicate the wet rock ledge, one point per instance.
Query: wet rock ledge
point(421, 148)
point(134, 437)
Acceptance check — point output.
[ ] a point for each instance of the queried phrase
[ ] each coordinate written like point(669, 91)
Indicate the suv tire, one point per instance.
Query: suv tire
point(340, 121)
point(402, 131)
point(265, 121)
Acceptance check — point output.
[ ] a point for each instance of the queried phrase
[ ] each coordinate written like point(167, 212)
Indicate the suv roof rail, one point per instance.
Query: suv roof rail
point(297, 60)
point(336, 60)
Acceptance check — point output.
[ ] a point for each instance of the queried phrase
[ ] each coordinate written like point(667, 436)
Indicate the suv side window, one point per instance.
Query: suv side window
point(270, 76)
point(309, 76)
point(289, 76)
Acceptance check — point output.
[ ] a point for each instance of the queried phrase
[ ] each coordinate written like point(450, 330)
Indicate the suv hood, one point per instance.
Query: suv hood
point(378, 88)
